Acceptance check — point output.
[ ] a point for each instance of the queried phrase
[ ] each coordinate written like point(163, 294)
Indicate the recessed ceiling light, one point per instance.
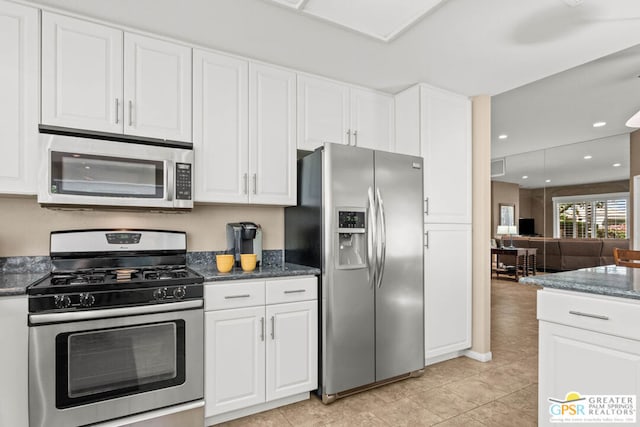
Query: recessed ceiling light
point(599, 124)
point(547, 180)
point(616, 165)
point(503, 136)
point(587, 157)
point(524, 177)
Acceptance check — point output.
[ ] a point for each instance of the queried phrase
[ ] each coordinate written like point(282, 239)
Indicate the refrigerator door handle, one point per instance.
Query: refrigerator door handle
point(382, 238)
point(371, 239)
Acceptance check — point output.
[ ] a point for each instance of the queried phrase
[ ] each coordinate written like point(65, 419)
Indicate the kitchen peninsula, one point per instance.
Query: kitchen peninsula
point(589, 340)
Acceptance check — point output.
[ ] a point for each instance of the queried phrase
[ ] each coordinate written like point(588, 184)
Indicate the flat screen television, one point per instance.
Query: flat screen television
point(526, 227)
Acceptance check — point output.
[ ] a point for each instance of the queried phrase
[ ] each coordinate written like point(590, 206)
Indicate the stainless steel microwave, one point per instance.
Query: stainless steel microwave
point(83, 171)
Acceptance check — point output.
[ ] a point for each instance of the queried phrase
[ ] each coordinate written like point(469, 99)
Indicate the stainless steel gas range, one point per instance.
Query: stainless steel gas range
point(116, 331)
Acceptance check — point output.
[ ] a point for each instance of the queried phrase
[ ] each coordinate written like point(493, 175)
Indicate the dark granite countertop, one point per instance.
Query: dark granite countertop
point(211, 273)
point(16, 283)
point(610, 280)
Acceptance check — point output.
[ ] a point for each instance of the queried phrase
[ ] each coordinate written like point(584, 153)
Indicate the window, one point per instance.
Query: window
point(592, 216)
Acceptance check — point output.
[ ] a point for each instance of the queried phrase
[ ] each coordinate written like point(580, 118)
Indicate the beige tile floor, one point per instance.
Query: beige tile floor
point(458, 392)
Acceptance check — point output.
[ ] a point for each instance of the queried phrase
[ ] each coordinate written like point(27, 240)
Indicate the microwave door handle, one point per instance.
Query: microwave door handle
point(169, 180)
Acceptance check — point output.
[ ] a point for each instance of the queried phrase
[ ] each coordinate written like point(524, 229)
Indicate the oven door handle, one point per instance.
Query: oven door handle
point(38, 319)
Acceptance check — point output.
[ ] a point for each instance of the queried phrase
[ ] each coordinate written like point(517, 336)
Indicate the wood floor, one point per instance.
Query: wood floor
point(458, 392)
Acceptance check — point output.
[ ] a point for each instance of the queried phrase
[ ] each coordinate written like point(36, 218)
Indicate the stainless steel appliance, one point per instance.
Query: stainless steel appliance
point(245, 238)
point(115, 330)
point(359, 219)
point(76, 170)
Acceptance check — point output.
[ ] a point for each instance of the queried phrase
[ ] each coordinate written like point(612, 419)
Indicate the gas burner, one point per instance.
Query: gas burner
point(81, 277)
point(164, 273)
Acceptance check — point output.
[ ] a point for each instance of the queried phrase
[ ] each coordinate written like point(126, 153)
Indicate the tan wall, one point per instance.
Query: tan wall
point(524, 203)
point(634, 169)
point(542, 200)
point(25, 226)
point(503, 193)
point(481, 305)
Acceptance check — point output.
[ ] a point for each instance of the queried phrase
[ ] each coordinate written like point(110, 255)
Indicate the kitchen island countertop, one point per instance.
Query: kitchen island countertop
point(211, 273)
point(609, 280)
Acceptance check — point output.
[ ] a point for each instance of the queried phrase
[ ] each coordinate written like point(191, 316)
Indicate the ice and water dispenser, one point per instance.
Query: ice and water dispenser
point(352, 238)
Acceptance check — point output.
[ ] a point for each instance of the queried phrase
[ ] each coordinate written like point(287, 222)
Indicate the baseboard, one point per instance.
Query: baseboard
point(480, 357)
point(239, 413)
point(442, 357)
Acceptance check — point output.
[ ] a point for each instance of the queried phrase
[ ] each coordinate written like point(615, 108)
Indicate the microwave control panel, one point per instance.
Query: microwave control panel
point(183, 181)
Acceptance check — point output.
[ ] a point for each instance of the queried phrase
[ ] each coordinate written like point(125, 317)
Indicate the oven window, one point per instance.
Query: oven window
point(97, 365)
point(103, 176)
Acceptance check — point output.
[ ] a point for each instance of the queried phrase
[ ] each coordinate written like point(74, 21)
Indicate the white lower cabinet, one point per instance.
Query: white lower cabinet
point(447, 275)
point(589, 344)
point(14, 394)
point(260, 345)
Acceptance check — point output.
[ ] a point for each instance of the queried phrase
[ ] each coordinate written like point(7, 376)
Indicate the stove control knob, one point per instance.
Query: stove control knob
point(87, 300)
point(62, 301)
point(179, 292)
point(160, 294)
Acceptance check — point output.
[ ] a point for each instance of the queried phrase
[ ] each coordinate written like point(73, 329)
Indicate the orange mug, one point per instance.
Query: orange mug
point(248, 262)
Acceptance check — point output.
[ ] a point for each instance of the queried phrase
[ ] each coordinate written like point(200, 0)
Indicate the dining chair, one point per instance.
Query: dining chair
point(626, 257)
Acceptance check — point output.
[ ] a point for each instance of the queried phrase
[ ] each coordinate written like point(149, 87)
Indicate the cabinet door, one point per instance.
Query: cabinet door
point(292, 348)
point(81, 74)
point(220, 128)
point(323, 112)
point(157, 88)
point(407, 117)
point(234, 359)
point(447, 293)
point(572, 359)
point(372, 120)
point(14, 394)
point(19, 101)
point(446, 148)
point(272, 133)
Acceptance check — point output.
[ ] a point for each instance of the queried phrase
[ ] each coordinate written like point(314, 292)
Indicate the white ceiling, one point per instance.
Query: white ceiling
point(468, 46)
point(381, 19)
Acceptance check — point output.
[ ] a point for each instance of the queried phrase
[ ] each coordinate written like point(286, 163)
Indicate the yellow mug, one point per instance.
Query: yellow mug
point(248, 262)
point(224, 263)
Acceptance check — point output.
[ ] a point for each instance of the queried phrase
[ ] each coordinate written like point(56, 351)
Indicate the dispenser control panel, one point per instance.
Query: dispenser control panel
point(351, 221)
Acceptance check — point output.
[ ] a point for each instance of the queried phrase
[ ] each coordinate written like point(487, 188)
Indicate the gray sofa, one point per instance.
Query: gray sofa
point(567, 254)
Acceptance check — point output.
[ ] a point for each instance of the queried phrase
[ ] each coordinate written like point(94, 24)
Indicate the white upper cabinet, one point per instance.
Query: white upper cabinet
point(329, 111)
point(220, 127)
point(244, 131)
point(19, 99)
point(446, 147)
point(81, 74)
point(272, 135)
point(99, 78)
point(372, 120)
point(323, 112)
point(157, 88)
point(438, 124)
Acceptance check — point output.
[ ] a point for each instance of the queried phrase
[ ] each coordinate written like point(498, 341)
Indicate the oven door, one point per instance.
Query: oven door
point(84, 370)
point(85, 171)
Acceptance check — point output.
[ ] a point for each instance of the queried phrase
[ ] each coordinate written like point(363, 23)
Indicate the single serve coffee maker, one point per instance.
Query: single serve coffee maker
point(244, 238)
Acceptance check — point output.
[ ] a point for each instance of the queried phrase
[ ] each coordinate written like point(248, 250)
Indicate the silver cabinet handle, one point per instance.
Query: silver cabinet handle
point(237, 296)
point(355, 138)
point(273, 328)
point(426, 206)
point(594, 316)
point(371, 239)
point(255, 183)
point(130, 113)
point(297, 291)
point(117, 111)
point(426, 238)
point(246, 183)
point(348, 136)
point(262, 329)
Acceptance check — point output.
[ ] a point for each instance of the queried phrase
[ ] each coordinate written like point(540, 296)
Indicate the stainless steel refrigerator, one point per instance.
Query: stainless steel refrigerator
point(359, 219)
